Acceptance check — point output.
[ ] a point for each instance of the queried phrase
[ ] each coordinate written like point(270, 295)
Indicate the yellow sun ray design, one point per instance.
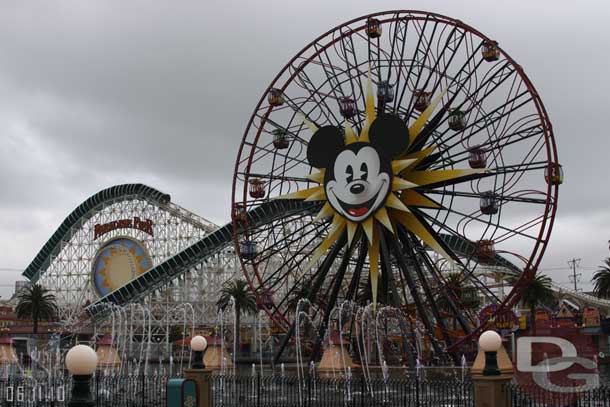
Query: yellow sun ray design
point(406, 177)
point(109, 268)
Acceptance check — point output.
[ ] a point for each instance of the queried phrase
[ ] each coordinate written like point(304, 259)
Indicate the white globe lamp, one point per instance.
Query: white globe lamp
point(81, 362)
point(198, 345)
point(490, 342)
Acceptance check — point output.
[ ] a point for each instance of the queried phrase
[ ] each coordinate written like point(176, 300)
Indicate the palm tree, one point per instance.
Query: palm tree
point(301, 291)
point(601, 280)
point(537, 292)
point(460, 292)
point(245, 302)
point(36, 303)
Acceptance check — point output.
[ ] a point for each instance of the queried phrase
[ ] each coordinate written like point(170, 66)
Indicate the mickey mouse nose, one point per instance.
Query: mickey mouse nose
point(357, 189)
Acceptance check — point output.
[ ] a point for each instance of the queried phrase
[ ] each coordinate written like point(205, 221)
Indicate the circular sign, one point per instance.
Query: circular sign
point(117, 262)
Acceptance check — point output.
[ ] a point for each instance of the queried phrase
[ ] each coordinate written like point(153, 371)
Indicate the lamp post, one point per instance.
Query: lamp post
point(199, 373)
point(198, 344)
point(491, 372)
point(81, 362)
point(490, 342)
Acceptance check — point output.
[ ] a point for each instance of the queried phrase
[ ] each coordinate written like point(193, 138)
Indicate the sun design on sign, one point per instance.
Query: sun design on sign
point(120, 266)
point(369, 181)
point(118, 262)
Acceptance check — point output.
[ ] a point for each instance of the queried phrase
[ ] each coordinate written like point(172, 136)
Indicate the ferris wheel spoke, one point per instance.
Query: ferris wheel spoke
point(409, 113)
point(525, 226)
point(319, 104)
point(395, 38)
point(275, 177)
point(484, 123)
point(410, 69)
point(353, 64)
point(507, 198)
point(416, 58)
point(317, 96)
point(317, 281)
point(330, 79)
point(453, 154)
point(458, 156)
point(402, 40)
point(534, 152)
point(332, 298)
point(456, 308)
point(476, 219)
point(408, 244)
point(517, 168)
point(434, 69)
point(422, 216)
point(404, 270)
point(432, 125)
point(467, 272)
point(292, 260)
point(355, 281)
point(270, 152)
point(520, 168)
point(491, 83)
point(489, 119)
point(292, 130)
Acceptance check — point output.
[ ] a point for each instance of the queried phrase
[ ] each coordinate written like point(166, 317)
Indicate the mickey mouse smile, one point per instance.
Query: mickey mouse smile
point(357, 211)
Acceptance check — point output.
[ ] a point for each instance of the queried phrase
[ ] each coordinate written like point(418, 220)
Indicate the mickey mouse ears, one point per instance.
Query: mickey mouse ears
point(388, 134)
point(324, 146)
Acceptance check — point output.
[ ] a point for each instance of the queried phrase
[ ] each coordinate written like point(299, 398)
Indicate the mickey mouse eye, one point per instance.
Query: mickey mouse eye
point(364, 169)
point(350, 173)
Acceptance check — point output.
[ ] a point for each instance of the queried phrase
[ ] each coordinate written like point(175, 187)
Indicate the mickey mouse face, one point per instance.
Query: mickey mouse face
point(357, 185)
point(358, 176)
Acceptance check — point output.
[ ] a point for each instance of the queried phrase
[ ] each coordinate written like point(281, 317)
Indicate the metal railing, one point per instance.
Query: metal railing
point(581, 296)
point(535, 396)
point(276, 391)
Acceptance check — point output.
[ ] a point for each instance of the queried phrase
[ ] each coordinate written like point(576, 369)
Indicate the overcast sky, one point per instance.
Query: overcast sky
point(98, 93)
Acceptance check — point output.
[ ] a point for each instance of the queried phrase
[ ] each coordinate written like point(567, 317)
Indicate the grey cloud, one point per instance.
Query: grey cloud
point(96, 94)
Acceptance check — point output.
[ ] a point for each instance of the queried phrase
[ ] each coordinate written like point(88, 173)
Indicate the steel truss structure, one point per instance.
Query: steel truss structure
point(64, 266)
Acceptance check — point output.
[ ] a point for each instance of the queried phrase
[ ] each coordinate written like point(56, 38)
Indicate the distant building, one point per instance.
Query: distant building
point(7, 316)
point(19, 286)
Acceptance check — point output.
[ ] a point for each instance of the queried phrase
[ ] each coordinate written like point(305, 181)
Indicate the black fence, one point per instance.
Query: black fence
point(535, 396)
point(108, 391)
point(267, 391)
point(287, 391)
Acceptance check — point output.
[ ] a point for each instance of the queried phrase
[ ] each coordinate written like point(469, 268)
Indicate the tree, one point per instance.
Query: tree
point(537, 292)
point(245, 302)
point(37, 304)
point(601, 280)
point(301, 291)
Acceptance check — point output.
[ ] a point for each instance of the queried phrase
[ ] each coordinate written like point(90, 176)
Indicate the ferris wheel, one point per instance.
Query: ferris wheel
point(418, 151)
